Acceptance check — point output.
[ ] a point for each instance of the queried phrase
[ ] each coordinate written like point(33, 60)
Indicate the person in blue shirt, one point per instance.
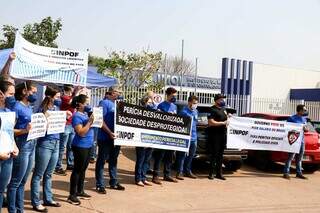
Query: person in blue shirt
point(143, 154)
point(81, 146)
point(106, 147)
point(184, 160)
point(167, 155)
point(6, 157)
point(299, 118)
point(46, 157)
point(25, 95)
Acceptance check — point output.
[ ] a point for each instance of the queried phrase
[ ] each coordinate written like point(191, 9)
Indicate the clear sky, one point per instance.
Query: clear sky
point(283, 32)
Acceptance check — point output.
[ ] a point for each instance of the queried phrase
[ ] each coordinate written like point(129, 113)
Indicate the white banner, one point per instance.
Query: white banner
point(138, 126)
point(261, 134)
point(47, 64)
point(38, 126)
point(7, 122)
point(56, 122)
point(98, 117)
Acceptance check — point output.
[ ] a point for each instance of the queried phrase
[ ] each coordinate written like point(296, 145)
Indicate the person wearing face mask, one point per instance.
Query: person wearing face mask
point(46, 157)
point(217, 136)
point(106, 147)
point(81, 146)
point(299, 118)
point(184, 160)
point(143, 154)
point(7, 91)
point(22, 165)
point(167, 155)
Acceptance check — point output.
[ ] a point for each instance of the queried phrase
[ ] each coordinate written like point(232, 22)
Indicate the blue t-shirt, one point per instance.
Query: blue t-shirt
point(298, 120)
point(108, 107)
point(87, 140)
point(23, 114)
point(166, 106)
point(52, 136)
point(186, 111)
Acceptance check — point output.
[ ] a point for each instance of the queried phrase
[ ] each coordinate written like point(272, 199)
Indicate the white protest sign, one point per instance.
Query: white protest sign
point(98, 117)
point(6, 131)
point(47, 64)
point(56, 122)
point(38, 126)
point(260, 134)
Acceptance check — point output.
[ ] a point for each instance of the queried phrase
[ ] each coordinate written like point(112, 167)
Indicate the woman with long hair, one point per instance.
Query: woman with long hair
point(81, 146)
point(46, 157)
point(25, 95)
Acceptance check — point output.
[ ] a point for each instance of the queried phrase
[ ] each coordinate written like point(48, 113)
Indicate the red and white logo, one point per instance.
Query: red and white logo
point(293, 136)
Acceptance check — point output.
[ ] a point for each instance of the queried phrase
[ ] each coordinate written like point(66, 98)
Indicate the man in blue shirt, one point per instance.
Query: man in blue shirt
point(184, 162)
point(167, 155)
point(300, 119)
point(105, 141)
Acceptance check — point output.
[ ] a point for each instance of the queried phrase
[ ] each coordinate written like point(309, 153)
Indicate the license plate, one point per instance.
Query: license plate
point(306, 158)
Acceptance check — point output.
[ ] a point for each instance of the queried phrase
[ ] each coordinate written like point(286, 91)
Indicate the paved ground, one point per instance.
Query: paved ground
point(247, 190)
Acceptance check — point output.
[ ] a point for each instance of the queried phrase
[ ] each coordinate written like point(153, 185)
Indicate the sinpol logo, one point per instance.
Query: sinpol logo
point(65, 53)
point(238, 132)
point(125, 135)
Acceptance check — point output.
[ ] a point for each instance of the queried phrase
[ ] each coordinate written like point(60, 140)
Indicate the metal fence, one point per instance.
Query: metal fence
point(243, 104)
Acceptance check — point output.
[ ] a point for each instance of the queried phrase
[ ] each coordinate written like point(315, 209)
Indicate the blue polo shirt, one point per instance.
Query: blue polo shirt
point(298, 120)
point(166, 106)
point(23, 113)
point(108, 107)
point(87, 140)
point(186, 111)
point(52, 136)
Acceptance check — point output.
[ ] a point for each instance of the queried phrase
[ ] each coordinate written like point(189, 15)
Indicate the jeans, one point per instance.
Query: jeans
point(5, 175)
point(167, 157)
point(184, 160)
point(107, 151)
point(81, 162)
point(21, 169)
point(298, 161)
point(142, 163)
point(93, 151)
point(46, 158)
point(66, 141)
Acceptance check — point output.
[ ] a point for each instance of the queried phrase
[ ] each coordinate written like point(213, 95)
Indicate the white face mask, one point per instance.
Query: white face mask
point(194, 106)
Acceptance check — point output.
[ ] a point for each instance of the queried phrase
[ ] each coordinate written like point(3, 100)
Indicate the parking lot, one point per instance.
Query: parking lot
point(247, 190)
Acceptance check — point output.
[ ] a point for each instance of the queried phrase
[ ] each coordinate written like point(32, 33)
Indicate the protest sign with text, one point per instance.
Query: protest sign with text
point(56, 122)
point(260, 134)
point(38, 126)
point(98, 117)
point(7, 122)
point(138, 126)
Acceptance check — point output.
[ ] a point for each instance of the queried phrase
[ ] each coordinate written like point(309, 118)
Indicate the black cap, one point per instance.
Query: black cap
point(218, 96)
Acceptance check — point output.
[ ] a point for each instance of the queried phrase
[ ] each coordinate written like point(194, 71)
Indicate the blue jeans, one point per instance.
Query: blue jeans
point(167, 157)
point(93, 151)
point(5, 175)
point(299, 157)
point(46, 158)
point(21, 169)
point(107, 151)
point(184, 160)
point(66, 141)
point(142, 163)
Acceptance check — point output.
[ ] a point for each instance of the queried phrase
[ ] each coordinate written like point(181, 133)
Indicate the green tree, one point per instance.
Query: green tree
point(43, 33)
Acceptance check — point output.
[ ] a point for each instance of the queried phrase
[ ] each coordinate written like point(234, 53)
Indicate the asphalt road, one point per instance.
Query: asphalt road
point(247, 190)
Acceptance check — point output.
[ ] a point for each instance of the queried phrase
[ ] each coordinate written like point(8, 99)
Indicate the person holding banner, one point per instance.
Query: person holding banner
point(6, 129)
point(184, 162)
point(143, 154)
point(22, 165)
point(217, 136)
point(106, 147)
point(46, 157)
point(81, 146)
point(300, 119)
point(167, 155)
point(5, 70)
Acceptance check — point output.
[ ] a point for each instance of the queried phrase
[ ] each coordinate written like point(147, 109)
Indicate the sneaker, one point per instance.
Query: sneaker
point(210, 177)
point(301, 176)
point(84, 196)
point(52, 204)
point(156, 180)
point(220, 177)
point(140, 183)
point(60, 172)
point(170, 179)
point(92, 160)
point(118, 186)
point(147, 183)
point(73, 200)
point(286, 176)
point(101, 190)
point(40, 208)
point(179, 176)
point(190, 175)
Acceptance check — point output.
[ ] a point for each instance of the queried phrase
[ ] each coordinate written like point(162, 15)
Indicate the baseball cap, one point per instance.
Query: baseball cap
point(218, 96)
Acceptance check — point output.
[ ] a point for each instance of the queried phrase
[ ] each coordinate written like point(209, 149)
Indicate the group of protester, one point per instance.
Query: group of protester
point(44, 155)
